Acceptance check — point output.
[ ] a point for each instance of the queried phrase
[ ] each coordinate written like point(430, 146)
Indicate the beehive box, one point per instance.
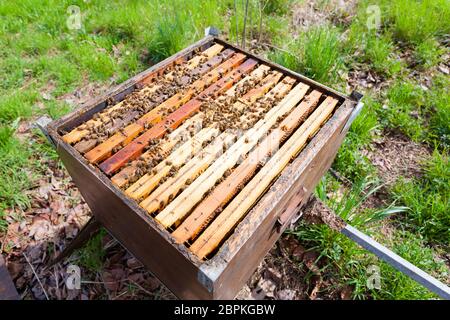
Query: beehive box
point(198, 164)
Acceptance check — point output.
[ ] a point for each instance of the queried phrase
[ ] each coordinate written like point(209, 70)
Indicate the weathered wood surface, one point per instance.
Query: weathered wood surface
point(180, 206)
point(78, 133)
point(179, 157)
point(188, 172)
point(234, 212)
point(197, 166)
point(121, 178)
point(172, 121)
point(222, 193)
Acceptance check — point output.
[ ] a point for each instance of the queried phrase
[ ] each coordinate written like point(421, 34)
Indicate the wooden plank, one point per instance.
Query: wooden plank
point(174, 184)
point(167, 218)
point(221, 194)
point(256, 75)
point(180, 206)
point(149, 181)
point(121, 178)
point(195, 170)
point(238, 256)
point(103, 150)
point(208, 53)
point(80, 132)
point(235, 211)
point(172, 121)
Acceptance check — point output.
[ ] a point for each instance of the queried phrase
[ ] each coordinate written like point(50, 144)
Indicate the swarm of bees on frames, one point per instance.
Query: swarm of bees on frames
point(138, 102)
point(220, 112)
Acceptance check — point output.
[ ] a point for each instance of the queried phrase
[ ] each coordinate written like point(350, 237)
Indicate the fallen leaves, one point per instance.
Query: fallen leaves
point(40, 228)
point(290, 272)
point(395, 156)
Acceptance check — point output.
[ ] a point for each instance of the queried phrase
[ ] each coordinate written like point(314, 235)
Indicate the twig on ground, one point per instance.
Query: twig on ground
point(120, 294)
point(141, 287)
point(35, 274)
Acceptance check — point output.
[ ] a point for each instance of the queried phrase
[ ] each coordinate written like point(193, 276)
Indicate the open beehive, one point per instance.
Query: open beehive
point(198, 164)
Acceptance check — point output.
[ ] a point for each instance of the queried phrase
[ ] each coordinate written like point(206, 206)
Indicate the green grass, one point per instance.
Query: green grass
point(91, 256)
point(428, 53)
point(421, 115)
point(415, 21)
point(378, 53)
point(404, 109)
point(316, 53)
point(345, 260)
point(15, 105)
point(438, 101)
point(14, 178)
point(429, 200)
point(279, 7)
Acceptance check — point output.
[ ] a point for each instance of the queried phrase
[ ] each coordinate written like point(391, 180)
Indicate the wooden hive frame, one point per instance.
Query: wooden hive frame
point(254, 228)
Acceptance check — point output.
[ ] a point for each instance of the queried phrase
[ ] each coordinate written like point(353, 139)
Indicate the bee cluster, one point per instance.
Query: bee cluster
point(223, 111)
point(174, 81)
point(153, 155)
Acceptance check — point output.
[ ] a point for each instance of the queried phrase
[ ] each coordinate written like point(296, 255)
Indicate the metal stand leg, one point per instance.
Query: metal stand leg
point(328, 217)
point(85, 234)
